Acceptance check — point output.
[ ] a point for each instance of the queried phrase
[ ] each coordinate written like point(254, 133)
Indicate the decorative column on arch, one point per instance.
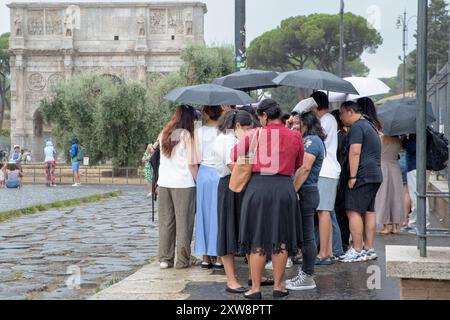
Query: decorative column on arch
point(141, 48)
point(18, 87)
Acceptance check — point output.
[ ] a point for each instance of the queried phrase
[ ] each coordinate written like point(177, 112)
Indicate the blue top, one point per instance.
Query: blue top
point(74, 152)
point(314, 146)
point(16, 156)
point(410, 146)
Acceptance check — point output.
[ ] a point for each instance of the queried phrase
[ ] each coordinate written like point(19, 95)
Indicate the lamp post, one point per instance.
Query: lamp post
point(240, 33)
point(422, 68)
point(403, 22)
point(341, 40)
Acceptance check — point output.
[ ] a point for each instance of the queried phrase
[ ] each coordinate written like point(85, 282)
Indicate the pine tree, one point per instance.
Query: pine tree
point(438, 41)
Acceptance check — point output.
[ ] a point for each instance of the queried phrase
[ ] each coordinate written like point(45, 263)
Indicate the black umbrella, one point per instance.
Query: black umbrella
point(316, 80)
point(248, 80)
point(399, 116)
point(209, 95)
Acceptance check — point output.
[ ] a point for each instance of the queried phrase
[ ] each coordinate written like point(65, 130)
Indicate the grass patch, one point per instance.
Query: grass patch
point(13, 214)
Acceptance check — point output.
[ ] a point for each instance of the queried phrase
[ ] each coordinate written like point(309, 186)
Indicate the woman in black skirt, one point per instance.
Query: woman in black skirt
point(270, 223)
point(232, 126)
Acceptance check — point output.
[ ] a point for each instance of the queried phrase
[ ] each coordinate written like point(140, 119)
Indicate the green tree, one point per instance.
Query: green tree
point(438, 41)
point(114, 118)
point(109, 117)
point(312, 41)
point(4, 75)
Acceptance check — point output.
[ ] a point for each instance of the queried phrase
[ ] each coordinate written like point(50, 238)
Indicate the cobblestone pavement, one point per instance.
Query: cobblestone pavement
point(103, 242)
point(29, 195)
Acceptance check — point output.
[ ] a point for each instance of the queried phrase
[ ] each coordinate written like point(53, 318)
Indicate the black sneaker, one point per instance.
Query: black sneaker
point(206, 265)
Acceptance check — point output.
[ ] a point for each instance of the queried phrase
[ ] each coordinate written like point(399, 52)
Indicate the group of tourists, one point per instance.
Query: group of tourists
point(11, 170)
point(320, 184)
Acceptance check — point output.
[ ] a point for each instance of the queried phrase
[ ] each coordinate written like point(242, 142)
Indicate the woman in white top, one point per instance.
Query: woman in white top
point(233, 125)
point(50, 164)
point(176, 181)
point(207, 183)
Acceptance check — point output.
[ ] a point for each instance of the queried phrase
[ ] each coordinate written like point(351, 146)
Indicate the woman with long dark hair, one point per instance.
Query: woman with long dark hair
point(369, 111)
point(270, 224)
point(233, 125)
point(177, 175)
point(207, 183)
point(306, 183)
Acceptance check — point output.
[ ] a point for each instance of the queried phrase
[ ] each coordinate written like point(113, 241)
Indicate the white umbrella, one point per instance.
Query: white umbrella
point(367, 87)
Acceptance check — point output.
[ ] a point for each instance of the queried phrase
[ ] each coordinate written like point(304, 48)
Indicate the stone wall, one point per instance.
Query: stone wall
point(50, 42)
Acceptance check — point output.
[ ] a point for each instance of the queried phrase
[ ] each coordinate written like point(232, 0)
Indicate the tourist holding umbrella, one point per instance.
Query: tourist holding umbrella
point(399, 119)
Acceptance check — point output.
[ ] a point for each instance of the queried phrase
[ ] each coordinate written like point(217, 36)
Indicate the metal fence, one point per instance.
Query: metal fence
point(35, 174)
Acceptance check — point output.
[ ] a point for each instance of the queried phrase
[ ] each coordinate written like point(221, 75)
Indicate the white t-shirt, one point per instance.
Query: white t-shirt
point(205, 141)
point(223, 145)
point(174, 172)
point(49, 154)
point(330, 167)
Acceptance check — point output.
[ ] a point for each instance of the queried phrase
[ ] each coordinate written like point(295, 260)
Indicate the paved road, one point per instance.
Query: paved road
point(29, 195)
point(104, 241)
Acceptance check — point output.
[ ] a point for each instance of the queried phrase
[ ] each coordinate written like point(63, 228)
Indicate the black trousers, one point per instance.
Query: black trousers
point(309, 201)
point(341, 215)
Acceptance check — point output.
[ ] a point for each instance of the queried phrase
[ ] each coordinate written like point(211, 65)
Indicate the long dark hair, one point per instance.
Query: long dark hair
point(337, 116)
point(370, 112)
point(312, 124)
point(184, 119)
point(230, 119)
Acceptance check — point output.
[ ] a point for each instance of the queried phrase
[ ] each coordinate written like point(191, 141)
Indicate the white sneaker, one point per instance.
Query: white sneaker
point(289, 263)
point(269, 266)
point(371, 255)
point(75, 185)
point(352, 256)
point(164, 265)
point(301, 282)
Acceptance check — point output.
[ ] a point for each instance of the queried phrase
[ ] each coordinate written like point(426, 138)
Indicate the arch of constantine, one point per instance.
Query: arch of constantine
point(50, 42)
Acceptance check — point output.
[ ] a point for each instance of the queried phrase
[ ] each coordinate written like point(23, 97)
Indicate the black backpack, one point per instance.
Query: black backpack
point(437, 150)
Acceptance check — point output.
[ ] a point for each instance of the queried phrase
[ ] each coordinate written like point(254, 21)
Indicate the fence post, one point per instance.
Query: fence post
point(86, 174)
point(34, 174)
point(127, 174)
point(112, 175)
point(60, 175)
point(99, 176)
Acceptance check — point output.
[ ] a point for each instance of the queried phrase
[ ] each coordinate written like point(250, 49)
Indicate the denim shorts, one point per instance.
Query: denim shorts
point(327, 192)
point(12, 184)
point(403, 167)
point(76, 166)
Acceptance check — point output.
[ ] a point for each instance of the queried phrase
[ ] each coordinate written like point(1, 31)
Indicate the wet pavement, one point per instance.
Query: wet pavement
point(337, 282)
point(30, 195)
point(71, 253)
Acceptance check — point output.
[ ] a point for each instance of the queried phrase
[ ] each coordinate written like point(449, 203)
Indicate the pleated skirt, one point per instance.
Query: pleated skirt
point(270, 216)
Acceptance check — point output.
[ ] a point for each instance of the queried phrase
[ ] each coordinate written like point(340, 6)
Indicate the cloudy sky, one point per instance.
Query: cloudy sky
point(264, 15)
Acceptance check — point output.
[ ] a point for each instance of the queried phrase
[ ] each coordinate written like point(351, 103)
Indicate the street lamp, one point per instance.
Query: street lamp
point(403, 22)
point(341, 40)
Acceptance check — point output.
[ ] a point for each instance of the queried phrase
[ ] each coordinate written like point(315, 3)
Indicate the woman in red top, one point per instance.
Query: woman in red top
point(270, 218)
